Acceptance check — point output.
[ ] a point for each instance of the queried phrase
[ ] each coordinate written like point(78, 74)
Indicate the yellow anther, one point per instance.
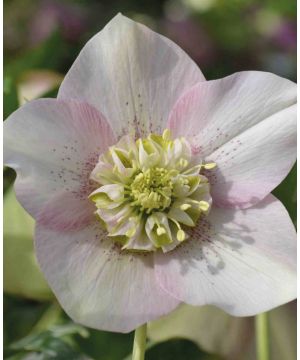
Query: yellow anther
point(180, 235)
point(130, 232)
point(160, 231)
point(209, 166)
point(204, 205)
point(183, 162)
point(166, 135)
point(185, 207)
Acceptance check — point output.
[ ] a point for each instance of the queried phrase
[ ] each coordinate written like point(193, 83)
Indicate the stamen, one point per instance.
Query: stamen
point(204, 205)
point(130, 232)
point(180, 235)
point(185, 207)
point(166, 135)
point(209, 166)
point(183, 162)
point(160, 231)
point(155, 191)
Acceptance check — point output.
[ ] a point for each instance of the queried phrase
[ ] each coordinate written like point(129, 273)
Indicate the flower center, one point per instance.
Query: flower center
point(150, 192)
point(152, 189)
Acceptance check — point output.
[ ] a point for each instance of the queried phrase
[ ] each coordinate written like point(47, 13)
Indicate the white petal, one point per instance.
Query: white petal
point(53, 145)
point(243, 261)
point(132, 75)
point(255, 162)
point(97, 284)
point(214, 112)
point(246, 123)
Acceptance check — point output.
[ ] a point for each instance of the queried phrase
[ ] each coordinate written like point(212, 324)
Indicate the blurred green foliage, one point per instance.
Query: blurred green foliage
point(176, 349)
point(19, 260)
point(222, 36)
point(287, 193)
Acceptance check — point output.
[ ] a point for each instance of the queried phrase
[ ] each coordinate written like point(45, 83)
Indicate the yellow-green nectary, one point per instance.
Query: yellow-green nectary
point(151, 191)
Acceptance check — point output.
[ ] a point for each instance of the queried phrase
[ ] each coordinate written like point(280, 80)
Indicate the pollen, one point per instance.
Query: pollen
point(150, 192)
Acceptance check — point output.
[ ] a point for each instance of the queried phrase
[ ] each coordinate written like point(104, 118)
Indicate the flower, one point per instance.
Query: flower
point(151, 186)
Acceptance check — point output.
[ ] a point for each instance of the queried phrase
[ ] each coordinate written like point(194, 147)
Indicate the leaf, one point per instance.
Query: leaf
point(51, 344)
point(102, 345)
point(47, 55)
point(10, 96)
point(69, 329)
point(21, 316)
point(178, 350)
point(283, 332)
point(233, 338)
point(286, 192)
point(22, 275)
point(209, 327)
point(50, 348)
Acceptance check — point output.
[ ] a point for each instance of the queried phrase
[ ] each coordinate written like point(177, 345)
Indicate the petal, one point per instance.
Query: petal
point(132, 74)
point(252, 165)
point(96, 283)
point(243, 261)
point(53, 146)
point(227, 121)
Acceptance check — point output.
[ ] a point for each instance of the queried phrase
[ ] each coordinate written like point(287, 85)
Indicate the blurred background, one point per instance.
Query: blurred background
point(41, 40)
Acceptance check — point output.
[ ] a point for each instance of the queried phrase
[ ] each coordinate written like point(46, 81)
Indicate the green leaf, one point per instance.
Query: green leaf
point(52, 344)
point(48, 55)
point(47, 348)
point(283, 332)
point(22, 275)
point(21, 315)
point(178, 350)
point(69, 329)
point(10, 96)
point(102, 345)
point(209, 327)
point(286, 192)
point(231, 337)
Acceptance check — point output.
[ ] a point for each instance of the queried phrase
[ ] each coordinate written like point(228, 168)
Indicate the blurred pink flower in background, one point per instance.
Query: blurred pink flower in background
point(286, 36)
point(53, 15)
point(192, 38)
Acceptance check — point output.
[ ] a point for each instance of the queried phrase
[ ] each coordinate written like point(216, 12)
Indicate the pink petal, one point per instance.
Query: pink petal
point(96, 283)
point(132, 74)
point(242, 261)
point(53, 146)
point(246, 123)
point(255, 162)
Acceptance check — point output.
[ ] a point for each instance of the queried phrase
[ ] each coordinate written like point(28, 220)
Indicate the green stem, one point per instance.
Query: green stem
point(139, 343)
point(262, 336)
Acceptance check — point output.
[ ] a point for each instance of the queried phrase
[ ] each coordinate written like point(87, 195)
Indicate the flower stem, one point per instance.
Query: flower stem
point(262, 336)
point(139, 343)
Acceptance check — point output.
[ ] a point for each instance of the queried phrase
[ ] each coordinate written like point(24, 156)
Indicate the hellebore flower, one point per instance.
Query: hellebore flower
point(151, 186)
